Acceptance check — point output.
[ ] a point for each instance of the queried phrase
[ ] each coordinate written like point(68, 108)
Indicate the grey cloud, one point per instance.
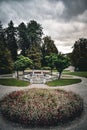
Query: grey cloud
point(64, 20)
point(73, 8)
point(32, 9)
point(11, 0)
point(16, 11)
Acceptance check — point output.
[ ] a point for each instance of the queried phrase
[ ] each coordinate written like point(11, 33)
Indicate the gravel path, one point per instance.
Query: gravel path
point(78, 124)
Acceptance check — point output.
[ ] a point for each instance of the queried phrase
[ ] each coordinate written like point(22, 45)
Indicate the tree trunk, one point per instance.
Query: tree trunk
point(59, 76)
point(17, 74)
point(51, 71)
point(23, 72)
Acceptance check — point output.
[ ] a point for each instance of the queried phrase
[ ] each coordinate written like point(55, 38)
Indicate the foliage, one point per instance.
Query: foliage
point(79, 54)
point(35, 55)
point(63, 82)
point(6, 63)
point(41, 106)
point(11, 40)
point(2, 37)
point(34, 33)
point(28, 39)
point(82, 64)
point(51, 61)
point(48, 48)
point(13, 82)
point(22, 63)
point(45, 68)
point(23, 38)
point(61, 63)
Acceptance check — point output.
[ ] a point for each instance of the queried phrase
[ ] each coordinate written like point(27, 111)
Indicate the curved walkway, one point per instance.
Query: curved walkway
point(78, 124)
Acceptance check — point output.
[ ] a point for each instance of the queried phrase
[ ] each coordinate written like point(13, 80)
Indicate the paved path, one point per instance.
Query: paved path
point(78, 124)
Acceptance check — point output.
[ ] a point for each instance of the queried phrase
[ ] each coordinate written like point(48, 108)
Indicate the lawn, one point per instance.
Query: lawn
point(63, 82)
point(81, 74)
point(13, 82)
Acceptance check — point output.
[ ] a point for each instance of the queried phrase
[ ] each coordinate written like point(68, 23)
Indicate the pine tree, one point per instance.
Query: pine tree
point(2, 37)
point(35, 38)
point(23, 39)
point(34, 33)
point(35, 55)
point(6, 63)
point(48, 48)
point(11, 40)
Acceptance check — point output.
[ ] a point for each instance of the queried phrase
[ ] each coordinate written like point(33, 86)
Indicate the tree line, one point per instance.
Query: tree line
point(41, 50)
point(28, 39)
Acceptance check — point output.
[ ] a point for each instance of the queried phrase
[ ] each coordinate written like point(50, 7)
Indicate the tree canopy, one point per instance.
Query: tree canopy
point(2, 37)
point(23, 38)
point(27, 38)
point(34, 30)
point(61, 63)
point(51, 61)
point(58, 61)
point(35, 55)
point(6, 63)
point(48, 48)
point(42, 51)
point(22, 63)
point(79, 54)
point(11, 40)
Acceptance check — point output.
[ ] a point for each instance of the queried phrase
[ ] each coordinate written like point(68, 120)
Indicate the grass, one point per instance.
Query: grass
point(63, 82)
point(41, 107)
point(81, 74)
point(13, 82)
point(66, 71)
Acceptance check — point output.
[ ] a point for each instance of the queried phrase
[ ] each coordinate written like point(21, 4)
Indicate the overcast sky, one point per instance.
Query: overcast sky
point(64, 20)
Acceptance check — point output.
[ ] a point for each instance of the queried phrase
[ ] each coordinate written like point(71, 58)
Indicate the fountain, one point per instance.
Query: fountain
point(38, 77)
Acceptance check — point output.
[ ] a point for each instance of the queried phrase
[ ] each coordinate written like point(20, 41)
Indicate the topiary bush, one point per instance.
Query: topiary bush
point(41, 106)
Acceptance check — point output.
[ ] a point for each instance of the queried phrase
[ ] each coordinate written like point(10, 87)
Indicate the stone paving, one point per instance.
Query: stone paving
point(78, 124)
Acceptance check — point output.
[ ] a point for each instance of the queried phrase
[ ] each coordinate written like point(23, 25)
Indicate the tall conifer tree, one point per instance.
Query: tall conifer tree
point(11, 40)
point(6, 63)
point(23, 39)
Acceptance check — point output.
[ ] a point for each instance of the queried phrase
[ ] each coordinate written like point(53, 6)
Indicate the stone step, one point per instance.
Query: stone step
point(37, 81)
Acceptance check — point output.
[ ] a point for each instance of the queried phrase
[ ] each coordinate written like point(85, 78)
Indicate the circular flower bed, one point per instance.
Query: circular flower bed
point(41, 106)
